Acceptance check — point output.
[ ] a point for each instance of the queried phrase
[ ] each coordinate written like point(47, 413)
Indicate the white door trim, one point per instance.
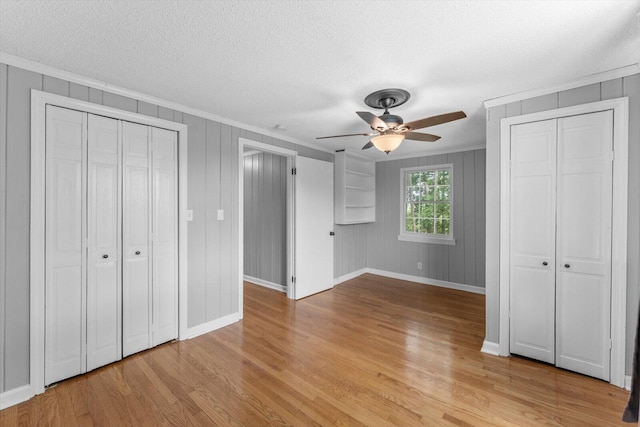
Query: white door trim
point(620, 107)
point(39, 100)
point(291, 157)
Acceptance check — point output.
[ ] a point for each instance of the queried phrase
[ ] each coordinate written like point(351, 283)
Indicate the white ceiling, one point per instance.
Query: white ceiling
point(309, 64)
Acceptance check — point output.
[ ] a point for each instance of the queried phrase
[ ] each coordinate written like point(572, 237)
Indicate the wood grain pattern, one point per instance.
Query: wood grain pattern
point(373, 351)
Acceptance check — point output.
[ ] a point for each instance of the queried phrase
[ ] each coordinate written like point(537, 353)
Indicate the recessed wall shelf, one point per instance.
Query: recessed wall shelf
point(355, 189)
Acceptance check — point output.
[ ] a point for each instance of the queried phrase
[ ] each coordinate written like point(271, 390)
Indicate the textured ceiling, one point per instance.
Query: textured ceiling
point(309, 64)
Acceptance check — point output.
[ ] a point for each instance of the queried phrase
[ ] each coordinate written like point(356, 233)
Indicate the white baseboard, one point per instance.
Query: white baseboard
point(275, 286)
point(212, 325)
point(15, 396)
point(627, 382)
point(349, 276)
point(427, 281)
point(492, 348)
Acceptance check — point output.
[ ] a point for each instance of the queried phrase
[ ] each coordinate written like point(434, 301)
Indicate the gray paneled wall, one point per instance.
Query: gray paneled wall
point(462, 263)
point(350, 248)
point(265, 217)
point(212, 184)
point(627, 86)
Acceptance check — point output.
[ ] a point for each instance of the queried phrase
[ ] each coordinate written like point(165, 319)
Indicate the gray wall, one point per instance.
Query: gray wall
point(462, 263)
point(350, 248)
point(212, 185)
point(265, 217)
point(376, 245)
point(628, 86)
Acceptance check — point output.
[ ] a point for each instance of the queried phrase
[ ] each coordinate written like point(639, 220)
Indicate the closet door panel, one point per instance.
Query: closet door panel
point(65, 269)
point(103, 222)
point(165, 243)
point(136, 303)
point(585, 146)
point(532, 271)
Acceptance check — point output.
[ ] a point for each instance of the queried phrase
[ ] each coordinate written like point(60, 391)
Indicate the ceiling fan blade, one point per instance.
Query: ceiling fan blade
point(416, 136)
point(349, 134)
point(435, 120)
point(374, 121)
point(367, 145)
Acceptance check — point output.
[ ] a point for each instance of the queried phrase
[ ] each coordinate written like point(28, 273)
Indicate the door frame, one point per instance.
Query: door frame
point(291, 157)
point(39, 101)
point(620, 108)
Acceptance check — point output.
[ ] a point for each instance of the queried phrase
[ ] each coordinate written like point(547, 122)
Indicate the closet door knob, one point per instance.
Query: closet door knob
point(105, 256)
point(137, 252)
point(545, 263)
point(567, 266)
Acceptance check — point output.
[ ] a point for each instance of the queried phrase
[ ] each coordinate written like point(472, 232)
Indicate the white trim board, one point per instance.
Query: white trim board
point(492, 348)
point(410, 278)
point(349, 276)
point(39, 100)
point(583, 81)
point(37, 67)
point(15, 396)
point(211, 326)
point(620, 107)
point(265, 283)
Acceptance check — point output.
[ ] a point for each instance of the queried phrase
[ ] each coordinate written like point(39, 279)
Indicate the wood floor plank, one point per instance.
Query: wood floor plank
point(373, 351)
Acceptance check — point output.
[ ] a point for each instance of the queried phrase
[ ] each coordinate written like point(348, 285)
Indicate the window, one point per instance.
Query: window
point(426, 204)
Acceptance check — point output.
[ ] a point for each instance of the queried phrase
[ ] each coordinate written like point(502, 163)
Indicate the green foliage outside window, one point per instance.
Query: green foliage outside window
point(428, 202)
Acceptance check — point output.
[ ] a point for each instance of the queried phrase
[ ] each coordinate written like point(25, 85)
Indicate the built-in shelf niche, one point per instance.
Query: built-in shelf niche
point(355, 189)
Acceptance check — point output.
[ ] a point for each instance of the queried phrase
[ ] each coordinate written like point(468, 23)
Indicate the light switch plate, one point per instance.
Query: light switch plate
point(220, 214)
point(189, 215)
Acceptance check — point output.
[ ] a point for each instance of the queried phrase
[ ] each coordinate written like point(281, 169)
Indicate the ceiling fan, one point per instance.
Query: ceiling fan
point(389, 130)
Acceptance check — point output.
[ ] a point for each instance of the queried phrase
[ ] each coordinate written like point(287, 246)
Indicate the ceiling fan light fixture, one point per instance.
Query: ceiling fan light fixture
point(387, 143)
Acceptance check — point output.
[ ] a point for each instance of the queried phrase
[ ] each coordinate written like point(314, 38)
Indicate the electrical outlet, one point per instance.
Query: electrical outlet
point(419, 266)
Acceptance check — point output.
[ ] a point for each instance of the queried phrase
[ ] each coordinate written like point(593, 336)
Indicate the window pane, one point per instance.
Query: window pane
point(429, 226)
point(429, 211)
point(443, 192)
point(442, 227)
point(423, 193)
point(415, 194)
point(409, 226)
point(443, 177)
point(430, 177)
point(442, 211)
point(415, 178)
point(430, 193)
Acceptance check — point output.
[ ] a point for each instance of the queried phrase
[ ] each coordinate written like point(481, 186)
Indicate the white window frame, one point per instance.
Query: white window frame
point(426, 238)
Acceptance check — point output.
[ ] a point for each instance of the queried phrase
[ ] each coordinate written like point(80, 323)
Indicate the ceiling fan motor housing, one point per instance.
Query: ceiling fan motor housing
point(392, 120)
point(385, 99)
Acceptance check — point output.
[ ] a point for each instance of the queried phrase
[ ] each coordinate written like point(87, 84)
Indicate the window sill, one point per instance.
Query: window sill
point(450, 241)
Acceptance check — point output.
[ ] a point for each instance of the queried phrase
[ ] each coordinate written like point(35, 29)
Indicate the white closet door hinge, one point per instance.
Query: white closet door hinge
point(612, 155)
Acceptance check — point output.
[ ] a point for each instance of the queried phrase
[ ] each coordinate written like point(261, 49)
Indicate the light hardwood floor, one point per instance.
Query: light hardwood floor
point(372, 351)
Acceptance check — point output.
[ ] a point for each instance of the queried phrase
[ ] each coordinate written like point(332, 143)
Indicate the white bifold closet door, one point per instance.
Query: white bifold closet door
point(111, 240)
point(561, 201)
point(103, 242)
point(136, 239)
point(150, 304)
point(65, 269)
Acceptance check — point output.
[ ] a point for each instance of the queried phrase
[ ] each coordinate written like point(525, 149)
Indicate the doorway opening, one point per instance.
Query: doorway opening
point(267, 216)
point(265, 219)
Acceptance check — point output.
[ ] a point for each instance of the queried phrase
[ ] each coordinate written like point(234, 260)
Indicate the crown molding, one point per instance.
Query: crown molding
point(37, 67)
point(582, 81)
